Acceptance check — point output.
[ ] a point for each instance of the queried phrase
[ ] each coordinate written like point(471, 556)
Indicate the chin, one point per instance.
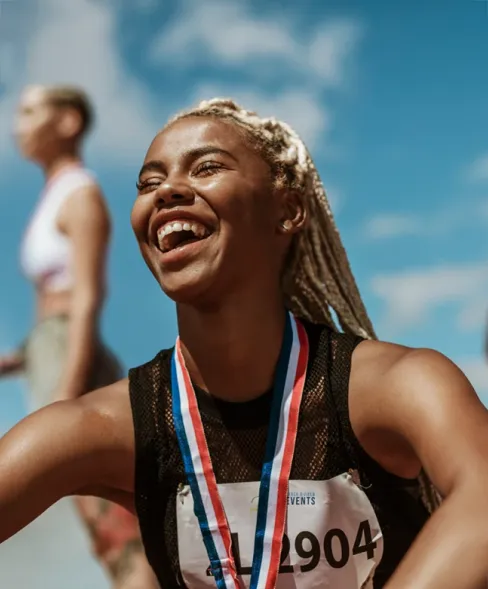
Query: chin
point(196, 275)
point(194, 292)
point(27, 153)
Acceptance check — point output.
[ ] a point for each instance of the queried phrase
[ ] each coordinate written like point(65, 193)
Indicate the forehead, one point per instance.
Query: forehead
point(191, 133)
point(32, 97)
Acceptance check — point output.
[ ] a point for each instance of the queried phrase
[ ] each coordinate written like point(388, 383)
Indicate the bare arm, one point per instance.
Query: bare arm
point(429, 403)
point(85, 220)
point(66, 448)
point(12, 363)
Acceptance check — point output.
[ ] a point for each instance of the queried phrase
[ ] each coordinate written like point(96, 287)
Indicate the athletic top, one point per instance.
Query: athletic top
point(46, 252)
point(326, 448)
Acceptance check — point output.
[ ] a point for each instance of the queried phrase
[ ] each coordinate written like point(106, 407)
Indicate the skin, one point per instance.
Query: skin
point(408, 407)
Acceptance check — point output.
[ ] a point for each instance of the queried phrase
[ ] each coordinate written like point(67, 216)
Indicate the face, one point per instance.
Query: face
point(207, 216)
point(36, 124)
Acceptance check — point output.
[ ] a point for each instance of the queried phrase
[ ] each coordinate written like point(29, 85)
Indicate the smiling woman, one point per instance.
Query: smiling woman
point(233, 447)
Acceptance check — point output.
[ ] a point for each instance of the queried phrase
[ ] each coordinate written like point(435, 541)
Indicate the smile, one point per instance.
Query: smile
point(178, 233)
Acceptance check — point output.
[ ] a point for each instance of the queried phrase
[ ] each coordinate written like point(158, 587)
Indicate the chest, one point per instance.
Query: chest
point(44, 248)
point(237, 451)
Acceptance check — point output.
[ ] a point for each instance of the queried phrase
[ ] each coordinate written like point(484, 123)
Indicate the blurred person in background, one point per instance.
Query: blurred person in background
point(64, 253)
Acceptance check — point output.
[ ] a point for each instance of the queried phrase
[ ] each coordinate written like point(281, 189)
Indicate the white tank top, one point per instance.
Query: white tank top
point(46, 252)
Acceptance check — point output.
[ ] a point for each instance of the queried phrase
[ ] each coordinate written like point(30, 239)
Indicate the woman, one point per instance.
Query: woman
point(64, 254)
point(233, 222)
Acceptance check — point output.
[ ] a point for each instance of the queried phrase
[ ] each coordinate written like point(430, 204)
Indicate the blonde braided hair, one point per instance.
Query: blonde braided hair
point(317, 276)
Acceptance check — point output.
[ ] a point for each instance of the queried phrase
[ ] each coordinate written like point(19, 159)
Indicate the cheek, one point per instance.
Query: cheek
point(139, 218)
point(241, 204)
point(38, 133)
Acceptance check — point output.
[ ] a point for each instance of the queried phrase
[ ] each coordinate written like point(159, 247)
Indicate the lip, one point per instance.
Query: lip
point(164, 217)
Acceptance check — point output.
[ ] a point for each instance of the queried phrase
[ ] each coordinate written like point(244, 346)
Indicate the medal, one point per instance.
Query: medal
point(273, 489)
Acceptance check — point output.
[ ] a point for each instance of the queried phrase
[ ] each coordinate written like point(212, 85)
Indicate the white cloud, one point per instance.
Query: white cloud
point(478, 170)
point(225, 30)
point(410, 296)
point(451, 217)
point(73, 42)
point(231, 34)
point(299, 108)
point(384, 226)
point(332, 48)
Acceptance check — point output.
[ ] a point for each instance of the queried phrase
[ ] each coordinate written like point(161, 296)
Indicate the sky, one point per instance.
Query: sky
point(392, 100)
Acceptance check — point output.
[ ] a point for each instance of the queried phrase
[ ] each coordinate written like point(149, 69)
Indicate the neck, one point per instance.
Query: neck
point(53, 166)
point(232, 351)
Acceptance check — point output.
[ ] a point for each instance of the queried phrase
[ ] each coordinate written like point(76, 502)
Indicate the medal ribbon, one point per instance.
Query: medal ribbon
point(273, 489)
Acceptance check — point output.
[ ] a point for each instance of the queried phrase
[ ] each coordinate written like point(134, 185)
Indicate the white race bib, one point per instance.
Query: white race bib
point(332, 537)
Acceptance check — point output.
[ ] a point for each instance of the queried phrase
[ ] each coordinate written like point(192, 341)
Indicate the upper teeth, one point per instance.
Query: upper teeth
point(196, 228)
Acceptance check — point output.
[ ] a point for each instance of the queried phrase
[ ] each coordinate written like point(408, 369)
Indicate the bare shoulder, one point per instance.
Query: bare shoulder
point(373, 359)
point(398, 394)
point(86, 203)
point(97, 423)
point(111, 403)
point(382, 370)
point(109, 411)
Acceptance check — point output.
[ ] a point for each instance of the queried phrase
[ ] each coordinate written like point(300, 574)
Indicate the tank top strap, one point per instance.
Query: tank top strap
point(338, 349)
point(63, 186)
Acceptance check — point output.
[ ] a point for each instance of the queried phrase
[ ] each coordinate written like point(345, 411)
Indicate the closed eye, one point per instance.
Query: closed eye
point(147, 185)
point(208, 168)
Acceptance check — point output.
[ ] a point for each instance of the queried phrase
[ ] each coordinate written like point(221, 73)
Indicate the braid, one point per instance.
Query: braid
point(317, 276)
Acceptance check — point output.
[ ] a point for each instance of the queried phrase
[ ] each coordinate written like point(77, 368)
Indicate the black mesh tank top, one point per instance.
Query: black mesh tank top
point(236, 435)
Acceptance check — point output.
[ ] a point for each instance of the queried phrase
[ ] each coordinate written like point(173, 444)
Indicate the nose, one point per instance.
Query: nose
point(172, 193)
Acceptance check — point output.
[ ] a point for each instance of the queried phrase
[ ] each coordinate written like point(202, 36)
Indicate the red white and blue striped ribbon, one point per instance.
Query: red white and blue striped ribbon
point(273, 490)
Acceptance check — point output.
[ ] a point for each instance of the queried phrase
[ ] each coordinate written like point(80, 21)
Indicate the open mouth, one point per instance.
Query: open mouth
point(177, 234)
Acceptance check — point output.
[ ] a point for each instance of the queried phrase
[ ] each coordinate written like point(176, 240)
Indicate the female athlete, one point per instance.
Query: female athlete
point(267, 448)
point(64, 254)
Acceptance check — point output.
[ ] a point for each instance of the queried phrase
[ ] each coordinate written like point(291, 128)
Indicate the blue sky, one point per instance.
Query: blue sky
point(390, 96)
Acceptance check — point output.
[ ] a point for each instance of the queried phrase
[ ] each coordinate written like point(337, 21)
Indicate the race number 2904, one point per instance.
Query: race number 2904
point(335, 547)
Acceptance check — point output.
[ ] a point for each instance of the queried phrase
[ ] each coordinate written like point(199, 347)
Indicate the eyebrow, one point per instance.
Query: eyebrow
point(158, 166)
point(207, 150)
point(152, 166)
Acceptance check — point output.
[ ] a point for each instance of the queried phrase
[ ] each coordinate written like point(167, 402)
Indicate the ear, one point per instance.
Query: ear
point(294, 213)
point(69, 123)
